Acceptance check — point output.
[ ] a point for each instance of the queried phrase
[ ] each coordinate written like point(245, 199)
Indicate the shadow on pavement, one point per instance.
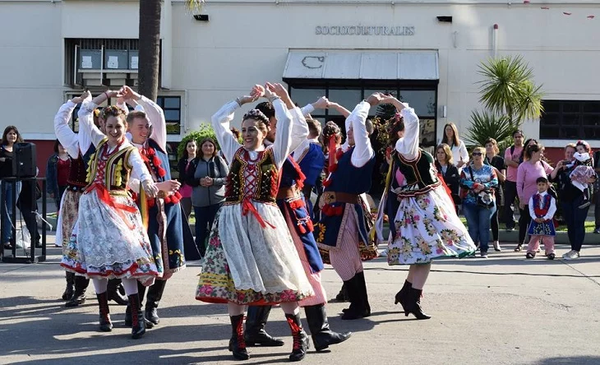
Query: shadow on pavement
point(575, 360)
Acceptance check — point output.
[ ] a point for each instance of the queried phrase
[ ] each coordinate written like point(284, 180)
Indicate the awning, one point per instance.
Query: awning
point(369, 65)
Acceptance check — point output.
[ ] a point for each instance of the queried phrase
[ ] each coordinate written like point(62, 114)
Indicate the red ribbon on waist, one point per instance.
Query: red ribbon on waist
point(247, 206)
point(105, 196)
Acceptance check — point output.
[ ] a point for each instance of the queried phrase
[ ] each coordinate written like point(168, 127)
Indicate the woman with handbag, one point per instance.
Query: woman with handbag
point(532, 167)
point(493, 159)
point(479, 182)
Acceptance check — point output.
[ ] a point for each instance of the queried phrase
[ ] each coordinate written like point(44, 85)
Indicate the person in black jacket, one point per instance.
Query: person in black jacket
point(444, 163)
point(206, 174)
point(186, 190)
point(493, 159)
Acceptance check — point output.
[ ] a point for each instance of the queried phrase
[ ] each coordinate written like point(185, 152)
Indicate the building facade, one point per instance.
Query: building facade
point(427, 52)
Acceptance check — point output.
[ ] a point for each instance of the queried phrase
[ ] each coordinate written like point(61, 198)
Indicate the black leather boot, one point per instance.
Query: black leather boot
point(402, 296)
point(105, 323)
point(114, 293)
point(414, 304)
point(320, 332)
point(255, 334)
point(138, 324)
point(301, 343)
point(78, 298)
point(342, 296)
point(141, 293)
point(155, 293)
point(70, 289)
point(359, 302)
point(237, 344)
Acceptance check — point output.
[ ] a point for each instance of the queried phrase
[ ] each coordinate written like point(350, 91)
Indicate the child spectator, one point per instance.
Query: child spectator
point(542, 207)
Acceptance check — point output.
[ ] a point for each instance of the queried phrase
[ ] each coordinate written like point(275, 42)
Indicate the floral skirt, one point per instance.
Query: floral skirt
point(109, 242)
point(427, 227)
point(251, 265)
point(67, 218)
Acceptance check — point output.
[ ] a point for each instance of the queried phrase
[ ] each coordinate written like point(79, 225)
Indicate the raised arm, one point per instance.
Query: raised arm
point(299, 128)
point(408, 146)
point(363, 151)
point(88, 132)
point(284, 108)
point(65, 135)
point(340, 109)
point(220, 123)
point(155, 115)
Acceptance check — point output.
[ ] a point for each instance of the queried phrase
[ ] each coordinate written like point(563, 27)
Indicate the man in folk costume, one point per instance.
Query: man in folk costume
point(341, 227)
point(162, 215)
point(293, 207)
point(79, 147)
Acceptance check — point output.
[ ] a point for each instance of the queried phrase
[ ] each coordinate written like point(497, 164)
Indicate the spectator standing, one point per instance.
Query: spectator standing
point(597, 193)
point(182, 166)
point(57, 173)
point(497, 162)
point(528, 172)
point(207, 175)
point(479, 203)
point(512, 157)
point(570, 198)
point(542, 207)
point(444, 163)
point(459, 150)
point(10, 188)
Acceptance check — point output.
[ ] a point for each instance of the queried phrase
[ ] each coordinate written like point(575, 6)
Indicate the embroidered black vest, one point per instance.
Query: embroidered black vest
point(420, 174)
point(267, 177)
point(77, 174)
point(117, 170)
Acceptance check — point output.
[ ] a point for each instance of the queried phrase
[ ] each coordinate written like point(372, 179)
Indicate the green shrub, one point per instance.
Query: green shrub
point(198, 135)
point(485, 125)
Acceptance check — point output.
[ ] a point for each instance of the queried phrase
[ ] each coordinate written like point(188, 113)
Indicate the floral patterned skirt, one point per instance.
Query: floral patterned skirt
point(109, 243)
point(251, 265)
point(67, 218)
point(427, 227)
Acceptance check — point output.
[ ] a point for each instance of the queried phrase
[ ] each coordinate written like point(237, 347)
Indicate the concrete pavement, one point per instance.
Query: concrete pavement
point(503, 310)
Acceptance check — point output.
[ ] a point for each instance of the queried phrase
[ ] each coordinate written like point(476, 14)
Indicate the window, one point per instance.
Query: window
point(171, 105)
point(94, 63)
point(423, 98)
point(568, 119)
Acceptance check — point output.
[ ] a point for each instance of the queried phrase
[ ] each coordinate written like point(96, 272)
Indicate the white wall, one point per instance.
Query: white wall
point(247, 42)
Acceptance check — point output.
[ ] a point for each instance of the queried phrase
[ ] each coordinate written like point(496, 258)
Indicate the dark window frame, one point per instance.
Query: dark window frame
point(396, 85)
point(563, 113)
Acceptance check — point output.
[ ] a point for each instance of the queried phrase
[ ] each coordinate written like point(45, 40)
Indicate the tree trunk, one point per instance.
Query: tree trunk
point(149, 52)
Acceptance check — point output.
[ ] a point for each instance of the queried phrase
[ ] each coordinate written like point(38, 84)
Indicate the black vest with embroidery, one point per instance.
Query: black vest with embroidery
point(267, 177)
point(117, 169)
point(420, 174)
point(77, 174)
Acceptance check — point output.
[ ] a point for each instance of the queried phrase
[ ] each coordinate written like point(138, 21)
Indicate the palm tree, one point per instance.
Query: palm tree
point(485, 124)
point(508, 89)
point(149, 64)
point(149, 52)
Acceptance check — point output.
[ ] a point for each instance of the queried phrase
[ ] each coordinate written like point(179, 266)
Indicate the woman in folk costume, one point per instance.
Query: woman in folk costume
point(426, 225)
point(294, 209)
point(75, 145)
point(251, 258)
point(162, 215)
point(109, 239)
point(341, 227)
point(76, 184)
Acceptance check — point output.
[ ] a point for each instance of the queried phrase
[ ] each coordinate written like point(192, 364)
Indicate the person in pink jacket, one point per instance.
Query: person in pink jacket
point(528, 172)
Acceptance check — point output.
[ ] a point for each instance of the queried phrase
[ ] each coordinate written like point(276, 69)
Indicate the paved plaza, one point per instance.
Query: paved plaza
point(503, 310)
